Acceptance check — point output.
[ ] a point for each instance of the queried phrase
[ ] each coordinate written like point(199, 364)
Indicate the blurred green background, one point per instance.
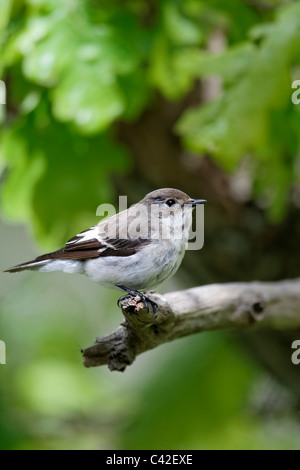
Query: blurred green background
point(109, 98)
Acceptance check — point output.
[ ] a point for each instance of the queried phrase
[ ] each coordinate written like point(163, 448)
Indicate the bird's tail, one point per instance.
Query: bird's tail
point(33, 265)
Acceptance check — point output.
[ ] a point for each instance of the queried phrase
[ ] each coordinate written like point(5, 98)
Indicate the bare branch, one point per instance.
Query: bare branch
point(213, 307)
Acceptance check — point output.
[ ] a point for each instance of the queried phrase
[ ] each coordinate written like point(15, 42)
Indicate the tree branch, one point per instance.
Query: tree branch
point(233, 306)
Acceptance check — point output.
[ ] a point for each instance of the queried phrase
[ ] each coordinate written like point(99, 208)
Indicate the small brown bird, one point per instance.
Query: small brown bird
point(137, 249)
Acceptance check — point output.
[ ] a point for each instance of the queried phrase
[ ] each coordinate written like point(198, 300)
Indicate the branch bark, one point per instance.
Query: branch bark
point(233, 306)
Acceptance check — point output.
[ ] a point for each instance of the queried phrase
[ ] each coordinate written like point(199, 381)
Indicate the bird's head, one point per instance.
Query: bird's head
point(170, 200)
point(169, 210)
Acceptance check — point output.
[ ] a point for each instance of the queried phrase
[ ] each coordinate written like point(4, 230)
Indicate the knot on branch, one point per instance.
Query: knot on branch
point(250, 311)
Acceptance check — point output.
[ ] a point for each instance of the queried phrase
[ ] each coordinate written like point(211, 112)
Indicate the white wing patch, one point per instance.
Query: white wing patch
point(90, 234)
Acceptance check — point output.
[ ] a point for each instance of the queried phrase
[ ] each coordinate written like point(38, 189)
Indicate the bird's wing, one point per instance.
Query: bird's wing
point(104, 239)
point(89, 244)
point(85, 246)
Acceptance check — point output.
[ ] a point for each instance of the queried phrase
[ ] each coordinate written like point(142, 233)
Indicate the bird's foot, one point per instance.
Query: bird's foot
point(133, 293)
point(127, 296)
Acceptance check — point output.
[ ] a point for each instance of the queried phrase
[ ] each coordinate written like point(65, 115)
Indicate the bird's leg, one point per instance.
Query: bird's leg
point(134, 293)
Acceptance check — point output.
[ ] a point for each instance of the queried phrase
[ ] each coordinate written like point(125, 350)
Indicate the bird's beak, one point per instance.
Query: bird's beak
point(194, 202)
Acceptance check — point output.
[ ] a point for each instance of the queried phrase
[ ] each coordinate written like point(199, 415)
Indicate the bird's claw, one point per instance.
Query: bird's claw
point(122, 298)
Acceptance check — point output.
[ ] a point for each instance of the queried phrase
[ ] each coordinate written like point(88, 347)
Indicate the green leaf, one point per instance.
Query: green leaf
point(175, 34)
point(89, 98)
point(5, 12)
point(81, 63)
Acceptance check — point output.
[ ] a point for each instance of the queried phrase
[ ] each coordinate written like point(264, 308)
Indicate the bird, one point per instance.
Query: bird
point(135, 250)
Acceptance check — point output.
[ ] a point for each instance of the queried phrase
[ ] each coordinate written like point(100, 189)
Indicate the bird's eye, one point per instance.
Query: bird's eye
point(170, 202)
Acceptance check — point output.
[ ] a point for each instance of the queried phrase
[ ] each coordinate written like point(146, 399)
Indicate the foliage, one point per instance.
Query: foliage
point(75, 68)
